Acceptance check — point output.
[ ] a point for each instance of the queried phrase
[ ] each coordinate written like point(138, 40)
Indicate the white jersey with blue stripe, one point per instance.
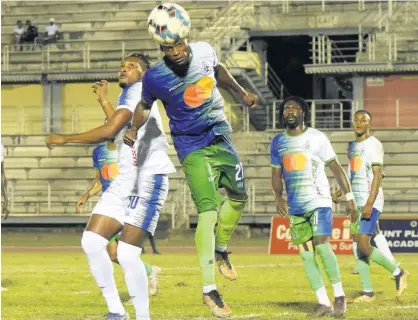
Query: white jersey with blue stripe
point(149, 152)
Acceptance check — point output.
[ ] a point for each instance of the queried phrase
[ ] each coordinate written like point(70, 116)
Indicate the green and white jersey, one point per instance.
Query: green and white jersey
point(302, 159)
point(363, 156)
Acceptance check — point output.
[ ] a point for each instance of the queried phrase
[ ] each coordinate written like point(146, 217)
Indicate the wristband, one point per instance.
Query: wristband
point(349, 196)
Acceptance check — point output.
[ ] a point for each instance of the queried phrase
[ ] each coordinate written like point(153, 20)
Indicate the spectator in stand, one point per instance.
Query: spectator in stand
point(31, 32)
point(52, 32)
point(18, 32)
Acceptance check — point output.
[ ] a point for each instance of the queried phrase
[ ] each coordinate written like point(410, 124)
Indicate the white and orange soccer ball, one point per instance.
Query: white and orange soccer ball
point(168, 23)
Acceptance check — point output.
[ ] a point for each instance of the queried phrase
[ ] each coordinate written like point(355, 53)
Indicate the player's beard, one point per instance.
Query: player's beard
point(293, 125)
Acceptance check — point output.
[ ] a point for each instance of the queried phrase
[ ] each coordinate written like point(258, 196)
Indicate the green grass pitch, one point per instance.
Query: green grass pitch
point(57, 285)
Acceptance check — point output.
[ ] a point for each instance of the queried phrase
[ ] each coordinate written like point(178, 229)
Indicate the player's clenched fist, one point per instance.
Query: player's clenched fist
point(130, 137)
point(100, 89)
point(55, 139)
point(250, 99)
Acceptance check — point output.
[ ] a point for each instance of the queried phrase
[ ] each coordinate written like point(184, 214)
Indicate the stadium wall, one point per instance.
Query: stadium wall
point(392, 100)
point(21, 106)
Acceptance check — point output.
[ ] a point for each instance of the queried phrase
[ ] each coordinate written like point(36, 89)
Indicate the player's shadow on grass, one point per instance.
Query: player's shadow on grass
point(300, 306)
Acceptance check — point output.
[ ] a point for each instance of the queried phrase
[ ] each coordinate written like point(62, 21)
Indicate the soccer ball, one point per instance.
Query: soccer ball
point(168, 23)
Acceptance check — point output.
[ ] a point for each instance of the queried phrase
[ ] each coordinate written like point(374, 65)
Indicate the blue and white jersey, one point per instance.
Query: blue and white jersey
point(149, 152)
point(302, 159)
point(193, 103)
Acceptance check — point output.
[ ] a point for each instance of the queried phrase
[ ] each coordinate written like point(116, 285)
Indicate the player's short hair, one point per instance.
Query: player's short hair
point(146, 59)
point(363, 111)
point(300, 102)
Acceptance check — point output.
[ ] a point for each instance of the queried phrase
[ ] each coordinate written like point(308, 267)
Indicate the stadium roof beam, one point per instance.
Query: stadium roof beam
point(344, 68)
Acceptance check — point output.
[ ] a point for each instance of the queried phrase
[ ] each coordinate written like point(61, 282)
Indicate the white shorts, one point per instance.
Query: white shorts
point(138, 203)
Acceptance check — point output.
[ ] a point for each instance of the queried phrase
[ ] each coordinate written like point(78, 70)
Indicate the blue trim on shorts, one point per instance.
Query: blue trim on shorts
point(153, 203)
point(368, 226)
point(324, 223)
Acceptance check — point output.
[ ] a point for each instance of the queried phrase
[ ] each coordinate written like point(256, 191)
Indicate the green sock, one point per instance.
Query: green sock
point(148, 269)
point(313, 273)
point(205, 245)
point(381, 260)
point(363, 268)
point(229, 216)
point(330, 262)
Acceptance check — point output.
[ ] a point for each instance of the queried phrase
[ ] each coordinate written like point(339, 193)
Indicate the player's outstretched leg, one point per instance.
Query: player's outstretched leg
point(94, 245)
point(401, 276)
point(205, 246)
point(229, 216)
point(382, 244)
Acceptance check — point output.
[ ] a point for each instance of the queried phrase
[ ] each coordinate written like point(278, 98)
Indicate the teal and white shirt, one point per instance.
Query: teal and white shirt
point(302, 159)
point(363, 156)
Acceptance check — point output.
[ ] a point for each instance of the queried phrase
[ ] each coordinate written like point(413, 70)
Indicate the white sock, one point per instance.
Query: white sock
point(396, 272)
point(102, 269)
point(382, 245)
point(220, 248)
point(322, 296)
point(338, 289)
point(209, 288)
point(129, 257)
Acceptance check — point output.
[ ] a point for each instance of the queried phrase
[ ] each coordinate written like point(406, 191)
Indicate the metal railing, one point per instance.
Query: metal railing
point(324, 114)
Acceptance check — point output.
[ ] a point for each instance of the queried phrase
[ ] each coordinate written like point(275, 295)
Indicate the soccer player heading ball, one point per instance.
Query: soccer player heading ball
point(186, 81)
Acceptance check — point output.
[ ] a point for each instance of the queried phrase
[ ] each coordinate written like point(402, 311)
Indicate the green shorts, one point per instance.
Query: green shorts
point(314, 223)
point(213, 167)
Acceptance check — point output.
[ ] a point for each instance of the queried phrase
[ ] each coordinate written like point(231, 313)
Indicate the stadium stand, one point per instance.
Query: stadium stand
point(44, 181)
point(97, 35)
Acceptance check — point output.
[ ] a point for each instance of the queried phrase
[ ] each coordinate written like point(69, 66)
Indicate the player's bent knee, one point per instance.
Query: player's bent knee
point(306, 247)
point(92, 242)
point(128, 254)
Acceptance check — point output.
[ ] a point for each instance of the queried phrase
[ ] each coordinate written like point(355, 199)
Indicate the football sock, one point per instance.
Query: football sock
point(363, 268)
point(381, 260)
point(229, 216)
point(205, 246)
point(330, 263)
point(148, 269)
point(322, 296)
point(313, 273)
point(382, 245)
point(135, 277)
point(101, 267)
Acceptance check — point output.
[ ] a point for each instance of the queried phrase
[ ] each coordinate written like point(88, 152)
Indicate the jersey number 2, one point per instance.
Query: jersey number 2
point(133, 202)
point(239, 175)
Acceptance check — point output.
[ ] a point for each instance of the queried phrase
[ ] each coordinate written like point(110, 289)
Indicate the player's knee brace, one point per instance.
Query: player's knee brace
point(92, 242)
point(128, 255)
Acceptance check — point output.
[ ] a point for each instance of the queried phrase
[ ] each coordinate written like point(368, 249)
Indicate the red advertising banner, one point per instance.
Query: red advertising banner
point(280, 242)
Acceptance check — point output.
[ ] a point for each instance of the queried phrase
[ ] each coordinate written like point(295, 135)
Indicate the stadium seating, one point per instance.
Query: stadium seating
point(44, 181)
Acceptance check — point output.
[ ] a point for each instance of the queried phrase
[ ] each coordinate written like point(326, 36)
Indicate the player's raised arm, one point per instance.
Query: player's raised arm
point(93, 190)
point(225, 78)
point(103, 133)
point(100, 89)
